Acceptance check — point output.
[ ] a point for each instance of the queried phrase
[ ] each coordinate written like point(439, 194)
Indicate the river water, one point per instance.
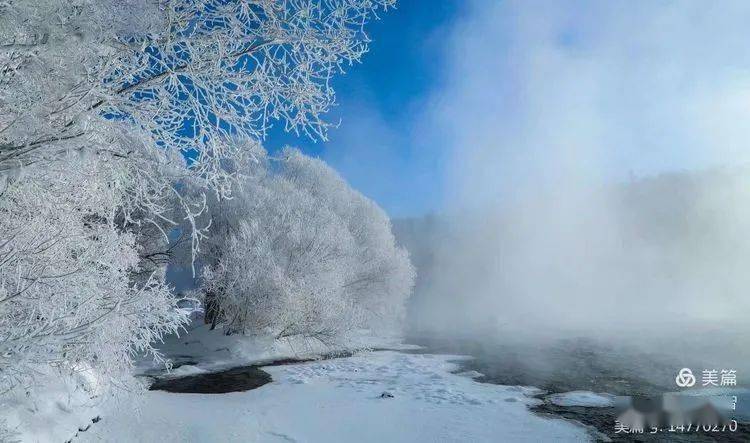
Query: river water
point(586, 364)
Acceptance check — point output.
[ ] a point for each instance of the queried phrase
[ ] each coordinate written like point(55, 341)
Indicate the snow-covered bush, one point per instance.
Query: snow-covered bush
point(380, 274)
point(303, 254)
point(72, 293)
point(281, 267)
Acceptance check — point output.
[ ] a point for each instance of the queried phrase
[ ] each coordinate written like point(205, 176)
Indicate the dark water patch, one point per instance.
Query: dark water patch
point(243, 378)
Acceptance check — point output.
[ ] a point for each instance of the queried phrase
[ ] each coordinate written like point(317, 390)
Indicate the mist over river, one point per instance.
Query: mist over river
point(609, 289)
point(626, 368)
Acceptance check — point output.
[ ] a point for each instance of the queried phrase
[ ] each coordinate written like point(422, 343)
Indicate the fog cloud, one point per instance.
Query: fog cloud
point(565, 123)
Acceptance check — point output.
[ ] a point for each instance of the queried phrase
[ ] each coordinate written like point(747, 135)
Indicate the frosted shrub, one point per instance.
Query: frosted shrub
point(304, 257)
point(380, 274)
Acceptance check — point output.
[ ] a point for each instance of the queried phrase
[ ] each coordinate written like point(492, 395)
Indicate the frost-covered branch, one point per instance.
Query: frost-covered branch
point(189, 74)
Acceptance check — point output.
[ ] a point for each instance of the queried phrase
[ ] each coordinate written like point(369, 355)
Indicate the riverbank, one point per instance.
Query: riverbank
point(369, 397)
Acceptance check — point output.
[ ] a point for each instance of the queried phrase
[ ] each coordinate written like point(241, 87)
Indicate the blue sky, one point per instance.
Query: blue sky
point(476, 102)
point(379, 101)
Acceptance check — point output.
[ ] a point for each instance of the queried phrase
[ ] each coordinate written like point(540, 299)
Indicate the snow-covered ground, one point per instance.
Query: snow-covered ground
point(341, 400)
point(53, 409)
point(324, 400)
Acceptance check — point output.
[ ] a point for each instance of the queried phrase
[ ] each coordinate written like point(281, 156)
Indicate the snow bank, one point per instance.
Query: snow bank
point(470, 374)
point(342, 400)
point(186, 370)
point(583, 398)
point(52, 410)
point(204, 349)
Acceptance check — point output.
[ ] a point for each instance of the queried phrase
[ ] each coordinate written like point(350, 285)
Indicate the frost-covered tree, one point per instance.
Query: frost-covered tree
point(381, 273)
point(100, 103)
point(191, 74)
point(184, 76)
point(116, 116)
point(280, 270)
point(303, 254)
point(73, 293)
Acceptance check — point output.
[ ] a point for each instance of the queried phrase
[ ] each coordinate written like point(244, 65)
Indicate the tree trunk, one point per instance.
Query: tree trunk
point(212, 309)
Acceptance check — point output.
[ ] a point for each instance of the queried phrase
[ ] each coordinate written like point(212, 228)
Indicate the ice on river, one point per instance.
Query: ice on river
point(583, 398)
point(375, 396)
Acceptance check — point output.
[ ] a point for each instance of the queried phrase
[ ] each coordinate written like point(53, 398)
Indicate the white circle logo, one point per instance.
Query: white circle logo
point(685, 378)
